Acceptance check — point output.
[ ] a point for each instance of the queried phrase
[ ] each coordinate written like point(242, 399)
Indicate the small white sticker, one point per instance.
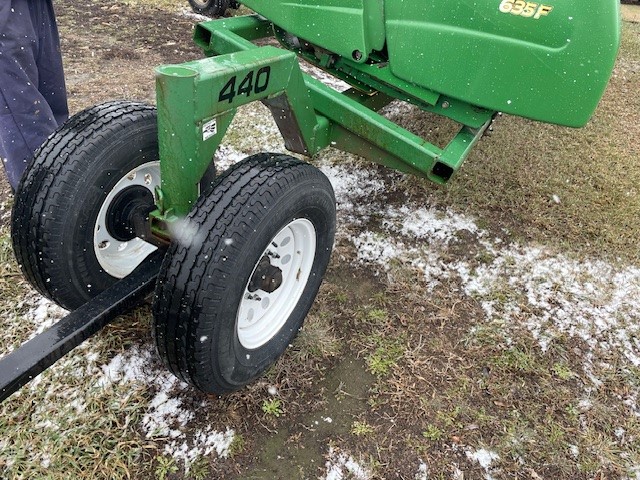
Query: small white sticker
point(209, 129)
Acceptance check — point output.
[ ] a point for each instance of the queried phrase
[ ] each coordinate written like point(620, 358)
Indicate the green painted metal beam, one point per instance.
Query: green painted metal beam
point(229, 35)
point(198, 100)
point(357, 128)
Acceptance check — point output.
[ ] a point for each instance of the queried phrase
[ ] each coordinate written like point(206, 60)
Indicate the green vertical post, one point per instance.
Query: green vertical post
point(197, 102)
point(175, 96)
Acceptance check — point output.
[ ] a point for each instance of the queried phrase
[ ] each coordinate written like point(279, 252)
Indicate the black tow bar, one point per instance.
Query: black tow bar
point(42, 351)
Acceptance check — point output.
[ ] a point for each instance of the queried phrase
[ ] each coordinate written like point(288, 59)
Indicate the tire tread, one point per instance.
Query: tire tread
point(44, 190)
point(238, 201)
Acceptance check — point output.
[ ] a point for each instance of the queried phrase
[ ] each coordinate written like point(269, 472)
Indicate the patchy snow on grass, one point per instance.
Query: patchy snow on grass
point(129, 367)
point(342, 466)
point(591, 300)
point(428, 223)
point(166, 417)
point(43, 315)
point(404, 225)
point(435, 230)
point(204, 443)
point(484, 458)
point(352, 189)
point(430, 231)
point(550, 294)
point(383, 251)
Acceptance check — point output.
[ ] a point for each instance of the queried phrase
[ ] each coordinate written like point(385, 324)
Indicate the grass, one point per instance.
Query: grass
point(237, 445)
point(385, 356)
point(165, 467)
point(272, 407)
point(361, 429)
point(200, 469)
point(517, 360)
point(317, 339)
point(432, 433)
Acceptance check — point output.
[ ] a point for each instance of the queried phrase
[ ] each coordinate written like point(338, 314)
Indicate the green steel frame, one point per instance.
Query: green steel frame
point(197, 101)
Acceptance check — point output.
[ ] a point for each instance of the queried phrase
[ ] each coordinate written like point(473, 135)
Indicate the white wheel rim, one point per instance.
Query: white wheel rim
point(261, 315)
point(119, 258)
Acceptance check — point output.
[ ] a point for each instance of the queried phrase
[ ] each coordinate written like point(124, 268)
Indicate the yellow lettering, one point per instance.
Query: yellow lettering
point(518, 7)
point(530, 9)
point(506, 6)
point(544, 10)
point(525, 9)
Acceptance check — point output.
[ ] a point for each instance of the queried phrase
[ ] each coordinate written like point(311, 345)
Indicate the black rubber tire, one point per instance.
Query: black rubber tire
point(211, 8)
point(62, 190)
point(200, 285)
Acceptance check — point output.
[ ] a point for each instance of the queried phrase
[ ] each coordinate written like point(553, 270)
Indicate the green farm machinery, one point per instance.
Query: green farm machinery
point(123, 199)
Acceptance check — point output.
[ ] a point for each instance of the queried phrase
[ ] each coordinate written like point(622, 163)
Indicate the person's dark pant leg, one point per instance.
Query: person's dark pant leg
point(32, 91)
point(49, 60)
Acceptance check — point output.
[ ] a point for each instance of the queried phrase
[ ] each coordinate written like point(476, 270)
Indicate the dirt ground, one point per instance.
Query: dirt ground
point(386, 372)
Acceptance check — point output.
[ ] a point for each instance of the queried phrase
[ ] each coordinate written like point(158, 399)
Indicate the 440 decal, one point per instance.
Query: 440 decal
point(254, 83)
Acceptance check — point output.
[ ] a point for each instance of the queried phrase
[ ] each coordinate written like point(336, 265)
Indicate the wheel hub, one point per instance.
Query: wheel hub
point(121, 219)
point(267, 277)
point(129, 208)
point(276, 284)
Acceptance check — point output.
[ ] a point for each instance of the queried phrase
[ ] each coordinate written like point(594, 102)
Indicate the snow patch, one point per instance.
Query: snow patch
point(166, 417)
point(435, 229)
point(44, 315)
point(341, 466)
point(484, 458)
point(423, 471)
point(590, 300)
point(353, 191)
point(430, 224)
point(204, 443)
